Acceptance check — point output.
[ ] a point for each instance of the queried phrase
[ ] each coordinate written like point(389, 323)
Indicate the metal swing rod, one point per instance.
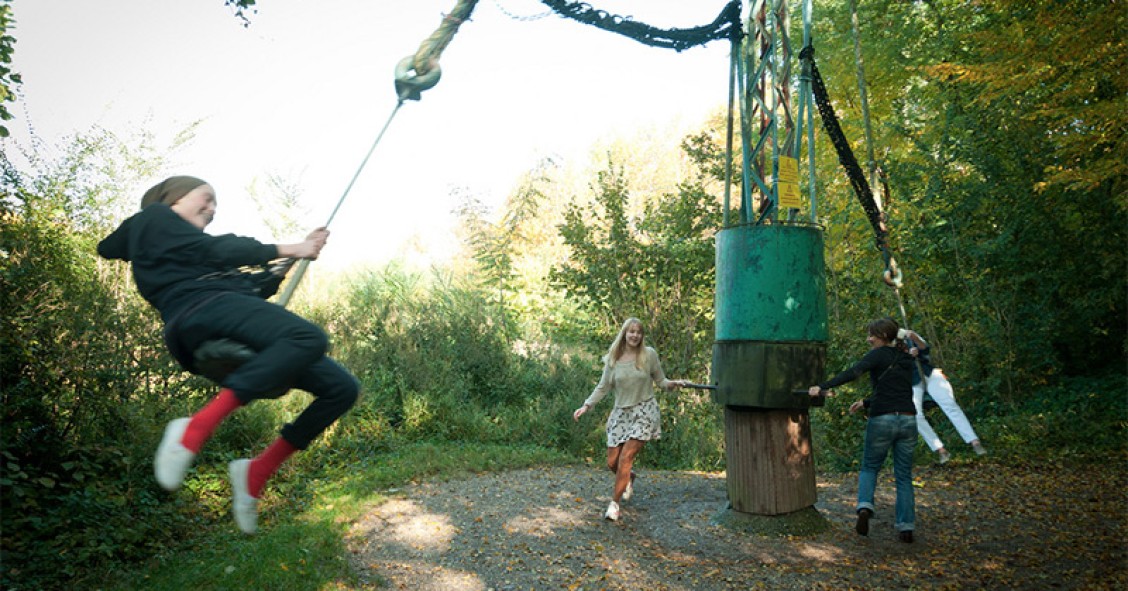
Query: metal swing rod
point(414, 74)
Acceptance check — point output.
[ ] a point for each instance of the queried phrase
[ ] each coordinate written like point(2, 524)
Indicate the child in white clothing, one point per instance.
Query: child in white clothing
point(940, 389)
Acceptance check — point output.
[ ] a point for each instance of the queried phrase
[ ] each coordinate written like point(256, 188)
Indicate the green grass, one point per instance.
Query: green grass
point(308, 509)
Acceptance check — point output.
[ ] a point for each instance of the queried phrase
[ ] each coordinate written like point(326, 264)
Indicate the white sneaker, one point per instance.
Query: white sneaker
point(243, 505)
point(628, 492)
point(173, 459)
point(612, 511)
point(979, 449)
point(945, 456)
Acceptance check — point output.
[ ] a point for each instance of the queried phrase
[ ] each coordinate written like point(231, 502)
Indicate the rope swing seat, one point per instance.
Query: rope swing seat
point(217, 358)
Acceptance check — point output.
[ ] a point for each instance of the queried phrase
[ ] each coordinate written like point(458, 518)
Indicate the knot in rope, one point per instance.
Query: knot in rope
point(420, 71)
point(411, 82)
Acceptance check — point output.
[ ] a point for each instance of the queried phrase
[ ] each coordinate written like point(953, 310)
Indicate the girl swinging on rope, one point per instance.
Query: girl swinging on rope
point(194, 280)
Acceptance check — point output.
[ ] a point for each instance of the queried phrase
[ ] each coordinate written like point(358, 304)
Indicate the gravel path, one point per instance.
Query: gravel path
point(542, 529)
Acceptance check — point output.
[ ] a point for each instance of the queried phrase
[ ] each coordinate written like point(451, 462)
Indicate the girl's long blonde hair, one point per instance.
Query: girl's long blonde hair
point(620, 344)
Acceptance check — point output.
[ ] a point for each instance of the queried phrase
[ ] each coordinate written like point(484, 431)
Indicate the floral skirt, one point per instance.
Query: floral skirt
point(640, 421)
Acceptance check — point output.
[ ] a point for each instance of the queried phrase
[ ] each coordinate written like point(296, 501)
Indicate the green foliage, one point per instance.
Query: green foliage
point(657, 266)
point(693, 434)
point(1007, 212)
point(995, 207)
point(8, 79)
point(436, 361)
point(446, 336)
point(1079, 418)
point(73, 373)
point(1027, 55)
point(87, 385)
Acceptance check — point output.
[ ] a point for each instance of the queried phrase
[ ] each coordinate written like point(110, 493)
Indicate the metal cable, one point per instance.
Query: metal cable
point(300, 270)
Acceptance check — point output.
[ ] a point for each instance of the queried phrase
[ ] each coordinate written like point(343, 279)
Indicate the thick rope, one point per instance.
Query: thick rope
point(845, 153)
point(420, 71)
point(725, 26)
point(429, 52)
point(892, 274)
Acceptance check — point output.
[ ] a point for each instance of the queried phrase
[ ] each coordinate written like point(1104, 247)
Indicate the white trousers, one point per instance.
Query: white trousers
point(940, 389)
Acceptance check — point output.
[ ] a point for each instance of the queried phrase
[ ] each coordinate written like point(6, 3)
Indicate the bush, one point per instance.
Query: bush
point(1079, 417)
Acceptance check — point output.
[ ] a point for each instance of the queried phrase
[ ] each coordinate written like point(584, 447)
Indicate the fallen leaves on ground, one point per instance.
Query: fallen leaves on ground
point(987, 523)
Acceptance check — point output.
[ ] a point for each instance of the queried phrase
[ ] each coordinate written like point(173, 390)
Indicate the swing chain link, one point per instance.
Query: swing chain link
point(522, 18)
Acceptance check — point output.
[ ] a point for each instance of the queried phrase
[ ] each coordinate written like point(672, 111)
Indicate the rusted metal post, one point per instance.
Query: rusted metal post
point(771, 332)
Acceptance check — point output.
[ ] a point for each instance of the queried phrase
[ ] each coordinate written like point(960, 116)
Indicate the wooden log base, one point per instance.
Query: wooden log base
point(770, 462)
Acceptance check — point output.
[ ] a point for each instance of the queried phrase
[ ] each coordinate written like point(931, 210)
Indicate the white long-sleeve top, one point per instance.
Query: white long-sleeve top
point(630, 384)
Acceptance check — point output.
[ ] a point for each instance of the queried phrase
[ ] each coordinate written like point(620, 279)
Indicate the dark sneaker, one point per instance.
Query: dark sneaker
point(862, 527)
point(906, 536)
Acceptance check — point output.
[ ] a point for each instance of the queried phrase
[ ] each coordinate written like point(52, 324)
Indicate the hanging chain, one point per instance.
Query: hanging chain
point(523, 18)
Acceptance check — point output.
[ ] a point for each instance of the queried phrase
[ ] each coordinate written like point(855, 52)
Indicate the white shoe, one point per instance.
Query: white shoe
point(243, 505)
point(612, 512)
point(945, 456)
point(173, 459)
point(979, 449)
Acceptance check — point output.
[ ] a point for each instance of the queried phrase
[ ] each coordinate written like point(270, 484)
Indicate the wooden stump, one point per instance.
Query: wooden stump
point(771, 468)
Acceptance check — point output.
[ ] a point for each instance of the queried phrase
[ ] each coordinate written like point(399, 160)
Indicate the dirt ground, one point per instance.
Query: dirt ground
point(981, 524)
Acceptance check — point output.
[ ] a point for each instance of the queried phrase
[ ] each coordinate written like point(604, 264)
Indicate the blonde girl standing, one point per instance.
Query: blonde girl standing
point(630, 370)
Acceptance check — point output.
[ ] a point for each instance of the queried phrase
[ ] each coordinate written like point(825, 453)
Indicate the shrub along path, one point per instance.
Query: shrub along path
point(981, 523)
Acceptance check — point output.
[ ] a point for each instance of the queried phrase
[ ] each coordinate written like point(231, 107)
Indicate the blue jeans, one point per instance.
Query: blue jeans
point(883, 432)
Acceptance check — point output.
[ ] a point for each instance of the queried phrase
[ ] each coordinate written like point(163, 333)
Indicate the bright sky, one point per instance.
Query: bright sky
point(304, 91)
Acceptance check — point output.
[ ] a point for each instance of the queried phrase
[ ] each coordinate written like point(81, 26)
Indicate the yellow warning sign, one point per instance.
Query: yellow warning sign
point(788, 170)
point(787, 183)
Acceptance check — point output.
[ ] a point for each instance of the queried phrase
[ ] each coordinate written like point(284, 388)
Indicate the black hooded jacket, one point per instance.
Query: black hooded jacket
point(175, 264)
point(891, 372)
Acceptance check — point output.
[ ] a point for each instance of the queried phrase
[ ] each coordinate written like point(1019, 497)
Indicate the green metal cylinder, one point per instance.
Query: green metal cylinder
point(771, 324)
